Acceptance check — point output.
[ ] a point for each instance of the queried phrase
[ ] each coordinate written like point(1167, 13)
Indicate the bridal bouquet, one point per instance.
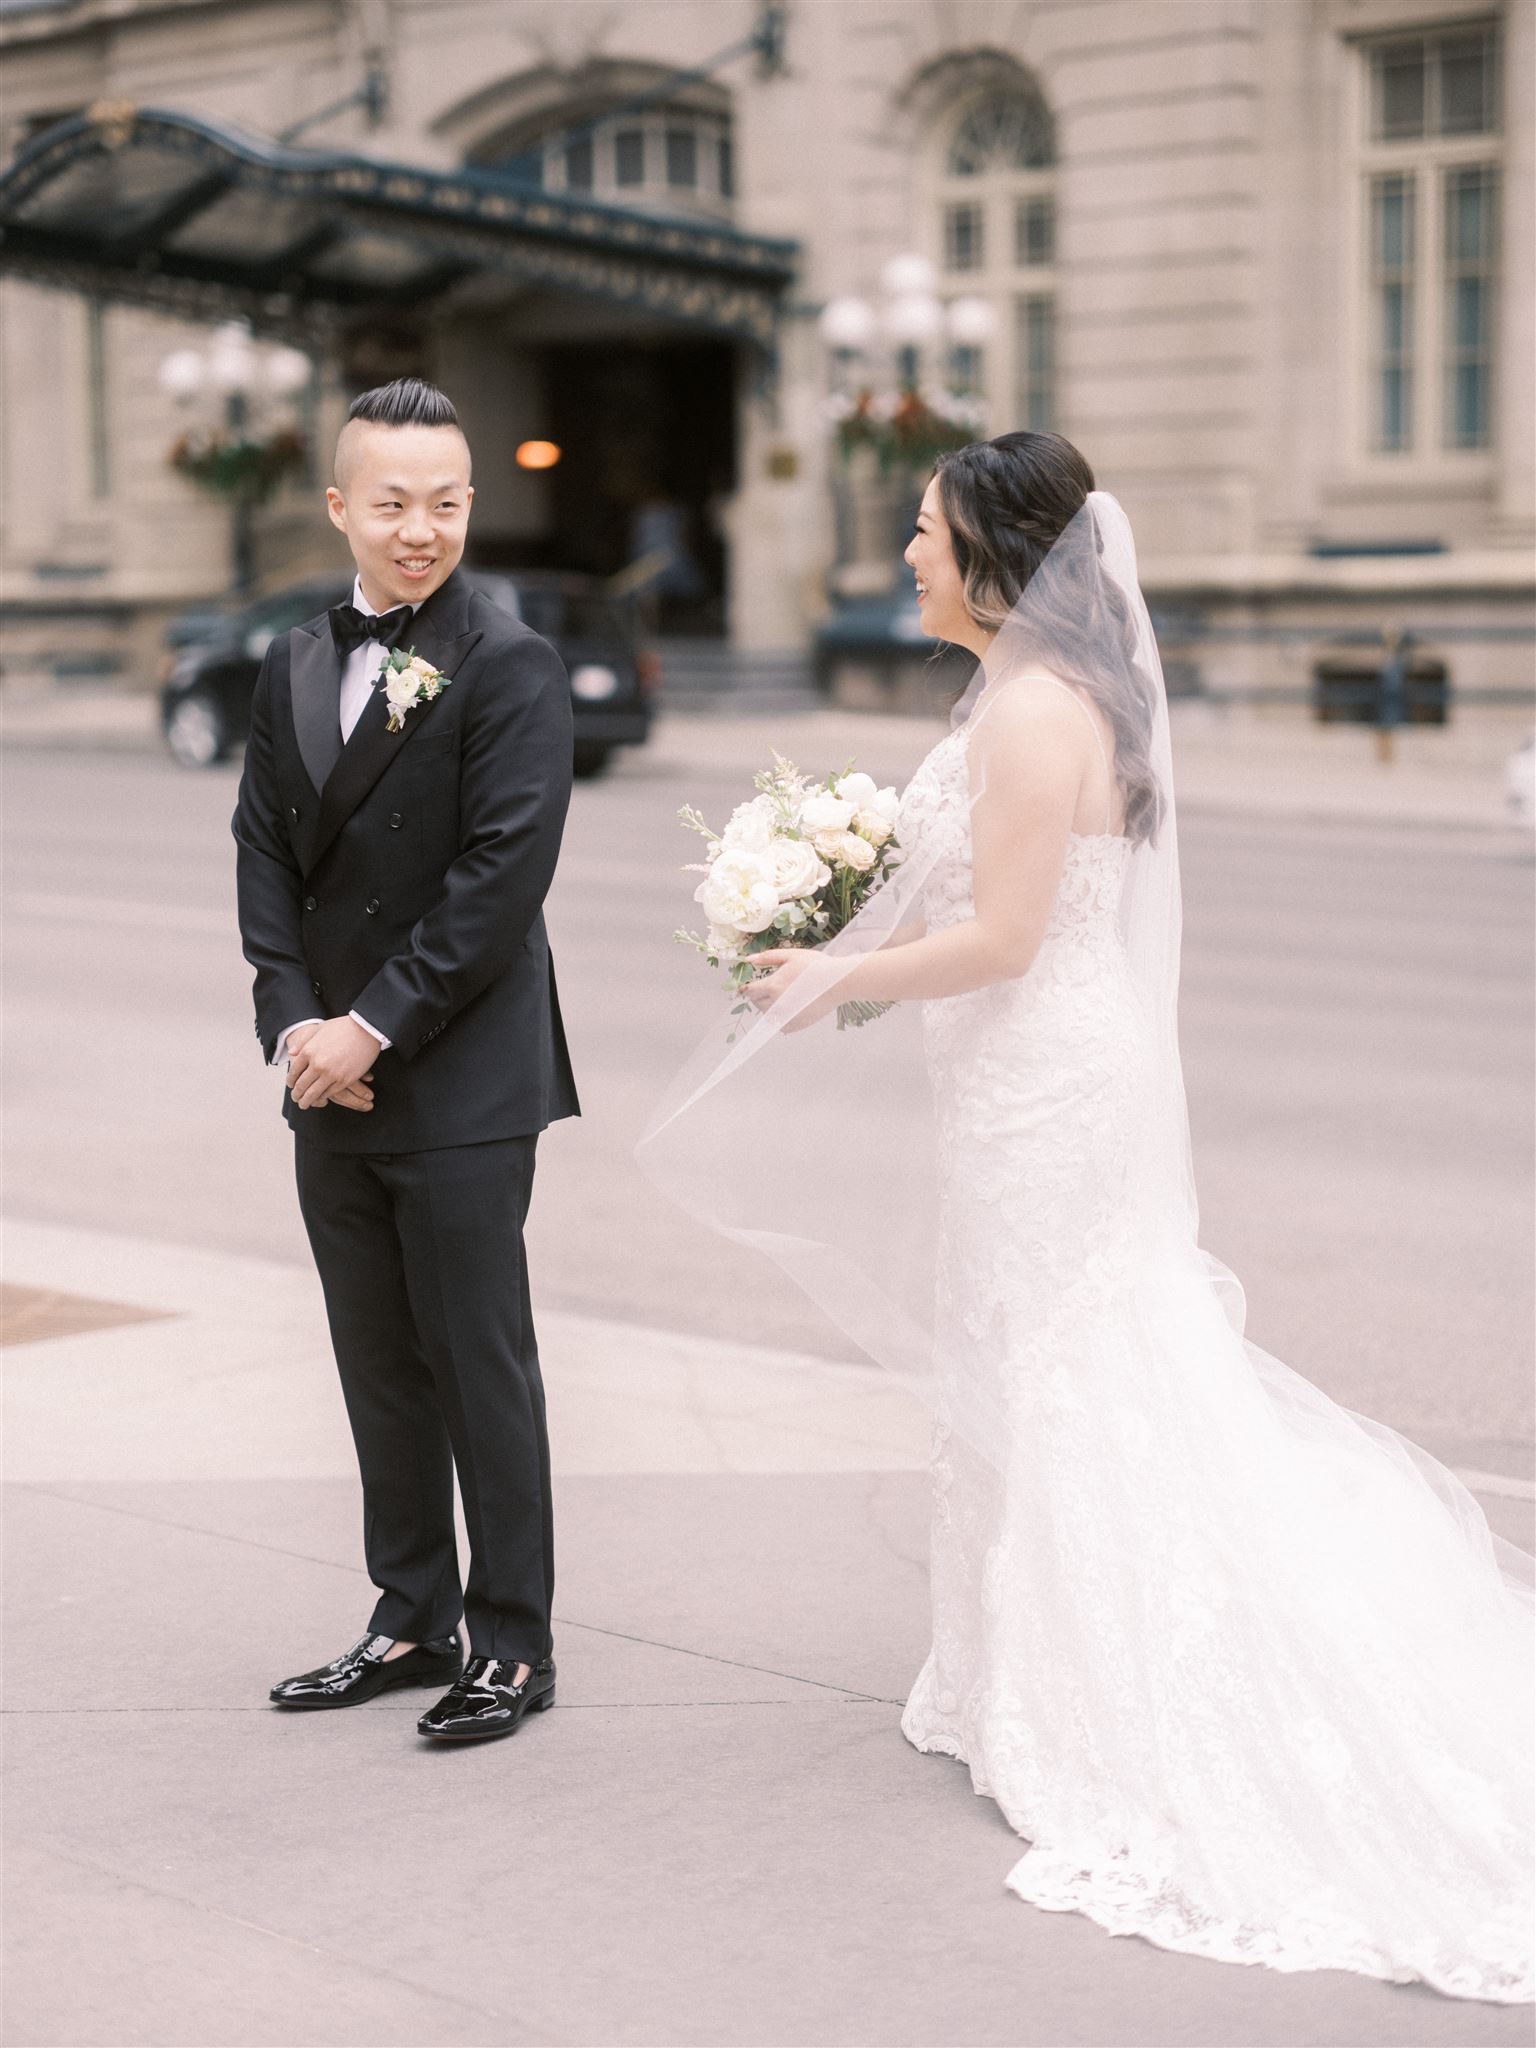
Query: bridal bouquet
point(795, 864)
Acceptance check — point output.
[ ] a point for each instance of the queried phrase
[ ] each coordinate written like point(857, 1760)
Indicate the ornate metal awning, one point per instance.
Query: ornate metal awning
point(204, 220)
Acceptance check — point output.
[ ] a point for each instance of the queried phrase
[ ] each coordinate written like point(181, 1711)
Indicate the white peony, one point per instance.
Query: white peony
point(825, 813)
point(797, 869)
point(857, 790)
point(856, 853)
point(752, 825)
point(739, 891)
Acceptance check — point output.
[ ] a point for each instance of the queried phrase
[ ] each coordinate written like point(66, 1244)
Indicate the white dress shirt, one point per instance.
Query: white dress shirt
point(359, 679)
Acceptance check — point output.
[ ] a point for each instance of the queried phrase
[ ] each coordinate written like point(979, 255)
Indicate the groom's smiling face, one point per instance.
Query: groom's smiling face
point(402, 498)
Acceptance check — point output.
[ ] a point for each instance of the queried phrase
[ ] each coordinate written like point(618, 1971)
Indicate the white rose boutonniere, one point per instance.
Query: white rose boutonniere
point(409, 679)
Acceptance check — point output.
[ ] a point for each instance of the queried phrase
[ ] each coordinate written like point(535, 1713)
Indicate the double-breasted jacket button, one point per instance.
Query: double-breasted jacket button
point(395, 821)
point(311, 903)
point(371, 906)
point(293, 811)
point(315, 986)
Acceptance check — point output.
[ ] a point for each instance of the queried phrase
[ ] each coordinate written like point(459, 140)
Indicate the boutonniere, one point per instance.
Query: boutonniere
point(409, 680)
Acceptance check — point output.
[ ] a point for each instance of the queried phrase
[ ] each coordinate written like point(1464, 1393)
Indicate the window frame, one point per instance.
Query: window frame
point(1426, 159)
point(1003, 281)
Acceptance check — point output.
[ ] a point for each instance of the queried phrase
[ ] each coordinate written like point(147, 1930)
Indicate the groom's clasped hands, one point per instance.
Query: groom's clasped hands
point(331, 1062)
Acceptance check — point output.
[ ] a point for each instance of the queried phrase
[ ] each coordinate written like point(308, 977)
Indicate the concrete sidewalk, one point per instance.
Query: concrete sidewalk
point(718, 1836)
point(1227, 759)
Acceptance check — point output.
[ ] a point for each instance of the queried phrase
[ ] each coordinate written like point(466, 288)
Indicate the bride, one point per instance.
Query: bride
point(1248, 1672)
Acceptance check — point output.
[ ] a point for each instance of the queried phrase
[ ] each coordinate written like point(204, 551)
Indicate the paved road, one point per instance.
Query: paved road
point(1356, 1020)
point(719, 1836)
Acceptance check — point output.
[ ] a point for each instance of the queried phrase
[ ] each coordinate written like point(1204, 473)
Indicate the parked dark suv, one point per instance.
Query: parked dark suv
point(209, 671)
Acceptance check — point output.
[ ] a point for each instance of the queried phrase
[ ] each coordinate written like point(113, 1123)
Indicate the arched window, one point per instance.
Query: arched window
point(667, 158)
point(992, 215)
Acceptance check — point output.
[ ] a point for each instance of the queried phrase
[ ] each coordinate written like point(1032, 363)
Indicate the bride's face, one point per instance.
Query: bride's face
point(930, 556)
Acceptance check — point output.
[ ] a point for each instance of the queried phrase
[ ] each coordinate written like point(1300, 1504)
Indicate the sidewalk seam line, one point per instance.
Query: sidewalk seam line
point(303, 1557)
point(328, 1955)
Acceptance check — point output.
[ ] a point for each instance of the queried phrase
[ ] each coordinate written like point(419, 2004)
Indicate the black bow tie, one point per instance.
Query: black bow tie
point(351, 628)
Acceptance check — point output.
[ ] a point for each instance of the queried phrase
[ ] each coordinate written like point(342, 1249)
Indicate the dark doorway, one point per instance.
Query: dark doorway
point(648, 434)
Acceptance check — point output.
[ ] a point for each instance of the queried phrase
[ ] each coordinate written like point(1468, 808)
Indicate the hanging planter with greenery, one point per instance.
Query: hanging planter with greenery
point(236, 467)
point(907, 431)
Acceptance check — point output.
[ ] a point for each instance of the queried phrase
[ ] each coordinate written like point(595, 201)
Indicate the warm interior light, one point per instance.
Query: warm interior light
point(537, 454)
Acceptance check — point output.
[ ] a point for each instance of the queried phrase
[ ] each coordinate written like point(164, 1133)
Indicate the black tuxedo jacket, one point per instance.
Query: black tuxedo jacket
point(403, 876)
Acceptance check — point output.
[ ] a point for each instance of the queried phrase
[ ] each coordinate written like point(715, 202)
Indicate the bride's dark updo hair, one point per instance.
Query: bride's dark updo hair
point(1006, 502)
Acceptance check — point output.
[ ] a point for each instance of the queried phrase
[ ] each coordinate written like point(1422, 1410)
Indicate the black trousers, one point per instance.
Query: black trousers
point(420, 1255)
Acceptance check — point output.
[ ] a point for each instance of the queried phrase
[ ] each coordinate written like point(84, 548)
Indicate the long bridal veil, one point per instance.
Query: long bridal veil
point(1249, 1671)
point(817, 1146)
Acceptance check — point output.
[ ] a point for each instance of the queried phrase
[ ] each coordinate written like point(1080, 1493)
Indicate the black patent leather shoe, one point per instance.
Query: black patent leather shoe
point(483, 1701)
point(362, 1672)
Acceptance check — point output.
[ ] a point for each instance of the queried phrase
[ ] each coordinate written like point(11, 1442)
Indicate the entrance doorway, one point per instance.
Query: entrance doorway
point(648, 434)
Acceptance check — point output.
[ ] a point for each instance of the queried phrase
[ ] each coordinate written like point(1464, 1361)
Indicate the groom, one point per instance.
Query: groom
point(394, 853)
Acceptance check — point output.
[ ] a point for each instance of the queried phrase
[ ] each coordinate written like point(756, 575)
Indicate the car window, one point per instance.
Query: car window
point(501, 590)
point(575, 615)
point(285, 609)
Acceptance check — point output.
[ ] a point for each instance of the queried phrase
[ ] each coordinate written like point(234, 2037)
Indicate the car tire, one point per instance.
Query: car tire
point(589, 759)
point(196, 731)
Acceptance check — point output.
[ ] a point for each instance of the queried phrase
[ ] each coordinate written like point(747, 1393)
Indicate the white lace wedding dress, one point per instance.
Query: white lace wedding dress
point(1245, 1683)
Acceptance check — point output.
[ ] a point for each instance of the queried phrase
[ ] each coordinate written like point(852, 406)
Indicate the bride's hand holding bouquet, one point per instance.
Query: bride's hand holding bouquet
point(777, 971)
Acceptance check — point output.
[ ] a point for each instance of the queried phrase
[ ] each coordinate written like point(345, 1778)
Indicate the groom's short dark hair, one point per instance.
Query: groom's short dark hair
point(407, 402)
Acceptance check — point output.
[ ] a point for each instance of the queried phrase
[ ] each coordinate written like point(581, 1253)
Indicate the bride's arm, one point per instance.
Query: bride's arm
point(1027, 760)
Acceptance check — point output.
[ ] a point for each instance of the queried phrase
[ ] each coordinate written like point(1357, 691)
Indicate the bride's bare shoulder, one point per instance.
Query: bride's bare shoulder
point(1039, 705)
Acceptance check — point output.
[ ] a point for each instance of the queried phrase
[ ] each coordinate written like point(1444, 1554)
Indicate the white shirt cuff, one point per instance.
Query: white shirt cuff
point(384, 1043)
point(280, 1056)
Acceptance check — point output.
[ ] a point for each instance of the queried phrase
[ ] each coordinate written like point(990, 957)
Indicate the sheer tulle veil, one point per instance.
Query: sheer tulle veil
point(818, 1147)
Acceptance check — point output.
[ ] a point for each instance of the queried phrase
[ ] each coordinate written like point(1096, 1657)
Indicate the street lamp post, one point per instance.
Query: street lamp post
point(892, 401)
point(247, 383)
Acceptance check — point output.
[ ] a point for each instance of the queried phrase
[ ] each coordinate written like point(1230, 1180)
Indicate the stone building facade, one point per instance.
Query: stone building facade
point(1268, 262)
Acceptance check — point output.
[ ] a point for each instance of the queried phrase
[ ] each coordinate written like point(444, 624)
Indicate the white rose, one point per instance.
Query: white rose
point(825, 813)
point(422, 666)
point(797, 870)
point(856, 853)
point(739, 891)
point(751, 827)
point(857, 790)
point(871, 826)
point(828, 844)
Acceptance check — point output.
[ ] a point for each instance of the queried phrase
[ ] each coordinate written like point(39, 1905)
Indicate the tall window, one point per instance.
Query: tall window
point(1431, 235)
point(994, 237)
point(1392, 281)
